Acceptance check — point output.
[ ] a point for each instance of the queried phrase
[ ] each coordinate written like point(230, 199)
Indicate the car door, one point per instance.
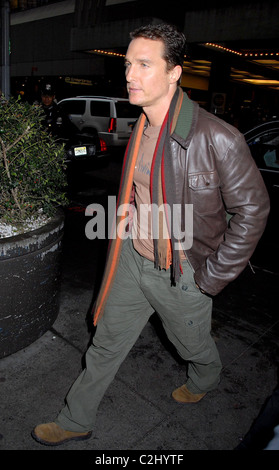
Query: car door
point(127, 115)
point(264, 145)
point(75, 109)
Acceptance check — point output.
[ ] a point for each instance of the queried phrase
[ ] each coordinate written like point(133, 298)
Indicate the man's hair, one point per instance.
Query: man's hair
point(174, 41)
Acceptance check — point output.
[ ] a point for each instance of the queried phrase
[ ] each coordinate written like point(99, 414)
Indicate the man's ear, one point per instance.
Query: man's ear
point(175, 74)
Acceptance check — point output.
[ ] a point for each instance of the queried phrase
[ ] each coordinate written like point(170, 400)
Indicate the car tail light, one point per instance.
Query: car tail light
point(112, 125)
point(103, 145)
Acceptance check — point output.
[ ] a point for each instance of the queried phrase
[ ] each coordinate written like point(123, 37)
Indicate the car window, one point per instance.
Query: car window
point(100, 108)
point(265, 150)
point(126, 110)
point(73, 107)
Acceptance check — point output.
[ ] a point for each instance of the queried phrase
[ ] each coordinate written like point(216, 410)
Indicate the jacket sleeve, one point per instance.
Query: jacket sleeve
point(247, 201)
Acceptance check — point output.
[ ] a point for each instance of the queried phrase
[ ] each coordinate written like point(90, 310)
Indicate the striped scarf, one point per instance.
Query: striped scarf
point(163, 190)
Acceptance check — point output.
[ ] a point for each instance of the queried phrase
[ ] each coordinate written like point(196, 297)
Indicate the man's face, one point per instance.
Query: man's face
point(149, 83)
point(47, 100)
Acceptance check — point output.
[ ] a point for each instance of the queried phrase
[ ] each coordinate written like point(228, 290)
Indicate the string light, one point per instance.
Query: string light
point(244, 54)
point(211, 44)
point(110, 53)
point(261, 54)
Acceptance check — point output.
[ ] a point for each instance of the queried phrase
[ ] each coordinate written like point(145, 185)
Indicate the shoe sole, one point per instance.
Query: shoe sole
point(187, 402)
point(52, 444)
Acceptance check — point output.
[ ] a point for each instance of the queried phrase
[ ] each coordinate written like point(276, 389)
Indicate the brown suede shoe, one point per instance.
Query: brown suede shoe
point(51, 434)
point(183, 395)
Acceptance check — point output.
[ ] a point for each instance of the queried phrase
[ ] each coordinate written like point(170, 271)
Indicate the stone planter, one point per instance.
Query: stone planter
point(29, 284)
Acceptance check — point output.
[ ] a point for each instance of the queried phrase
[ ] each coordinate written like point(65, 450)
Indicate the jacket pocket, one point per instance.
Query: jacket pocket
point(205, 192)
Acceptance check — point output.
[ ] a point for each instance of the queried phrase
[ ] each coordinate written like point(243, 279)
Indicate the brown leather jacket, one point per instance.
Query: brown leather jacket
point(219, 175)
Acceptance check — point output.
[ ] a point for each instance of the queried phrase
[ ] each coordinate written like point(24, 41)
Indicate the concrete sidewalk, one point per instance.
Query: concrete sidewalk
point(137, 412)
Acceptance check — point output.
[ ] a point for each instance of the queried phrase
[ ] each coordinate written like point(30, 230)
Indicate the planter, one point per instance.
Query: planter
point(29, 285)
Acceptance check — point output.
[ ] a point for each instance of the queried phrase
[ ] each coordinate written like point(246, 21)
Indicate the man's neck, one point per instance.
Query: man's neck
point(157, 112)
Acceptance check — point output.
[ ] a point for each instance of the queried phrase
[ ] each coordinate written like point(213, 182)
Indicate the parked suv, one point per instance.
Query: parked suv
point(113, 118)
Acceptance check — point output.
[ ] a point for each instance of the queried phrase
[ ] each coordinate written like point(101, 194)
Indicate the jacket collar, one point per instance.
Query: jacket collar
point(186, 121)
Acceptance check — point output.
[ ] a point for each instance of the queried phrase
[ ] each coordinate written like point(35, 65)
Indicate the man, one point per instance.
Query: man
point(50, 107)
point(55, 120)
point(179, 156)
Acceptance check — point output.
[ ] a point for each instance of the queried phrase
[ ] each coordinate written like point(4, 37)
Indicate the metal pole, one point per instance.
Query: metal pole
point(5, 53)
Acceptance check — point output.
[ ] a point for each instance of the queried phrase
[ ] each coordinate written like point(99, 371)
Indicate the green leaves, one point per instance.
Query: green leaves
point(32, 175)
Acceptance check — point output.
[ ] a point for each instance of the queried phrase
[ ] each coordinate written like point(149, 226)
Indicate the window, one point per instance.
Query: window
point(73, 107)
point(265, 150)
point(20, 5)
point(100, 108)
point(126, 110)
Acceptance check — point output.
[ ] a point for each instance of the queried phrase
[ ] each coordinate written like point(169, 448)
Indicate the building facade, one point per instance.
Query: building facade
point(80, 45)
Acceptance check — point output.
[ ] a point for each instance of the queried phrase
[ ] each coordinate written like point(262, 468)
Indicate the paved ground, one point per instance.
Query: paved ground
point(137, 412)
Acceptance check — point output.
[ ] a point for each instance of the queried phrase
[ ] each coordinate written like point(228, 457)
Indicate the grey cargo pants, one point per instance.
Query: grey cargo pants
point(137, 292)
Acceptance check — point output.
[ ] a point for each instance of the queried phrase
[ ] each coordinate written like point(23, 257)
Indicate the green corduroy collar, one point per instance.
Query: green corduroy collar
point(185, 119)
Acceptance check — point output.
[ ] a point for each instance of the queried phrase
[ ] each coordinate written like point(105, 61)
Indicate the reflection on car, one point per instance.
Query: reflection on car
point(85, 147)
point(263, 142)
point(113, 118)
point(79, 146)
point(84, 152)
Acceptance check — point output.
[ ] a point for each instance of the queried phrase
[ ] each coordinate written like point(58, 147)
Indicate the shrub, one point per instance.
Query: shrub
point(32, 168)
